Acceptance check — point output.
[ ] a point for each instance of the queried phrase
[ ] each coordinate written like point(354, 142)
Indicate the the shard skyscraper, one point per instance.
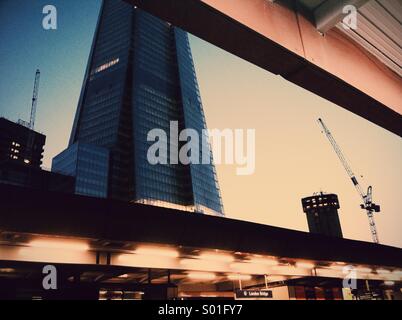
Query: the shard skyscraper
point(140, 76)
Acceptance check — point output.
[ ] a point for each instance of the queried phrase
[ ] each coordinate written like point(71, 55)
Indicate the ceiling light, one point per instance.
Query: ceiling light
point(214, 256)
point(59, 244)
point(383, 271)
point(243, 277)
point(157, 251)
point(201, 276)
point(203, 265)
point(264, 261)
point(364, 270)
point(305, 265)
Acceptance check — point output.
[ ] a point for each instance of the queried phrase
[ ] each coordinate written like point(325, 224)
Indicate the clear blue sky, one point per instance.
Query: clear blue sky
point(60, 55)
point(293, 158)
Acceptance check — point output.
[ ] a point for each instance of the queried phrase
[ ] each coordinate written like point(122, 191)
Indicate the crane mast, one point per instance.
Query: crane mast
point(34, 100)
point(367, 205)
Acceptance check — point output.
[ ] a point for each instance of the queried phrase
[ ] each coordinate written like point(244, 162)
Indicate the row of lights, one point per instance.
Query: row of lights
point(209, 276)
point(204, 259)
point(14, 157)
point(14, 154)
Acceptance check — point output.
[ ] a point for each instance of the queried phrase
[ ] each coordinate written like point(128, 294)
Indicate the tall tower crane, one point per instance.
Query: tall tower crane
point(31, 123)
point(34, 100)
point(367, 198)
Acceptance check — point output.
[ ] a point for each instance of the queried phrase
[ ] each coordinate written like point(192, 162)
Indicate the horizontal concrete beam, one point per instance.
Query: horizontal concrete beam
point(273, 36)
point(91, 218)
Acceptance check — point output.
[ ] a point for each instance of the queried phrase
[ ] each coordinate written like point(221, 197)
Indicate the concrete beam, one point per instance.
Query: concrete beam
point(135, 223)
point(274, 37)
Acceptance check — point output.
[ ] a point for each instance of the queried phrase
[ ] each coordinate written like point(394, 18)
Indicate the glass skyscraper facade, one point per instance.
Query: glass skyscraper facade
point(140, 76)
point(89, 164)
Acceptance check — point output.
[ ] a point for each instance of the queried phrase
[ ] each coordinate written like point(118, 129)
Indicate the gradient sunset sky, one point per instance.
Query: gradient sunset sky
point(293, 158)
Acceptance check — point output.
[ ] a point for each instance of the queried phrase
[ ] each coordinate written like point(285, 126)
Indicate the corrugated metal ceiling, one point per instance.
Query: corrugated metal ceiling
point(379, 26)
point(379, 31)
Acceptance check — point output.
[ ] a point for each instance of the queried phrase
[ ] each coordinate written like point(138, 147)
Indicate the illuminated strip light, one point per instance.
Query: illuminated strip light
point(305, 265)
point(54, 255)
point(59, 244)
point(204, 265)
point(264, 261)
point(290, 270)
point(339, 273)
point(383, 271)
point(242, 277)
point(157, 251)
point(151, 256)
point(249, 268)
point(56, 250)
point(201, 276)
point(214, 256)
point(146, 261)
point(329, 272)
point(105, 66)
point(364, 270)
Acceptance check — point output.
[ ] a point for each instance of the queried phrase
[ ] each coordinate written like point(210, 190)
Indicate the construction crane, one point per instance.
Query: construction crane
point(367, 198)
point(34, 100)
point(31, 123)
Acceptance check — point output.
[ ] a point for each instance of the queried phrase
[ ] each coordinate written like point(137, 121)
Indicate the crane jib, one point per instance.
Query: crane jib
point(368, 205)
